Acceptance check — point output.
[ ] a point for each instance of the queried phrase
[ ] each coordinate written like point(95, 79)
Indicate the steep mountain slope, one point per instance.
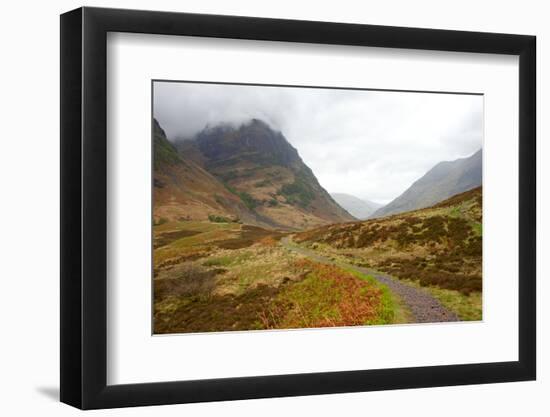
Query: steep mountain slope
point(259, 166)
point(184, 190)
point(442, 181)
point(355, 206)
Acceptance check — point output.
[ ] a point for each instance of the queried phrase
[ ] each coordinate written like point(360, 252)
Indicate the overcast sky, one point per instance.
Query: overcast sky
point(371, 144)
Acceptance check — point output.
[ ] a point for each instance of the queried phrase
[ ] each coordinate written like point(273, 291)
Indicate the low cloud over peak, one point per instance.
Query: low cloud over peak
point(372, 144)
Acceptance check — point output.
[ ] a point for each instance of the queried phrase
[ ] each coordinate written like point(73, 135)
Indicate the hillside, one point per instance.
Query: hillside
point(224, 276)
point(439, 246)
point(442, 181)
point(183, 190)
point(357, 207)
point(259, 166)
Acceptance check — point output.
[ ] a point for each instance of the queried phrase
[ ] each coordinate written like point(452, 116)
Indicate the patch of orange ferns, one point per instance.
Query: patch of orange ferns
point(357, 304)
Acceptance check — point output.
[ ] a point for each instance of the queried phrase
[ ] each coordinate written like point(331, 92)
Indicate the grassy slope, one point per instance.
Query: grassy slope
point(219, 276)
point(183, 189)
point(268, 175)
point(444, 180)
point(438, 248)
point(212, 276)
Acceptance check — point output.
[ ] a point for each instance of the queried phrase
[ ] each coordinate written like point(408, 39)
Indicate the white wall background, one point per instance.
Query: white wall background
point(29, 176)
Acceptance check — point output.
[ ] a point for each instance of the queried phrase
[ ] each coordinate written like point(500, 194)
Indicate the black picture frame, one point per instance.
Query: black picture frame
point(84, 207)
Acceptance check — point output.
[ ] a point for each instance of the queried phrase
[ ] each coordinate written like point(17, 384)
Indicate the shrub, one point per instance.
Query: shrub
point(218, 219)
point(442, 275)
point(298, 192)
point(248, 200)
point(184, 279)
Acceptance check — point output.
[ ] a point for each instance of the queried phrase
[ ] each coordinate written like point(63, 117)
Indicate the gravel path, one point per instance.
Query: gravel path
point(423, 307)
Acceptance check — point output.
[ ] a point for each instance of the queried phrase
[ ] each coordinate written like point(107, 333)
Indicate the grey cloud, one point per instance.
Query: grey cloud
point(367, 143)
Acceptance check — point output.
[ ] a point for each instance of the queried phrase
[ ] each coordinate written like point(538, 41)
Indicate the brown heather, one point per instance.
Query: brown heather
point(437, 246)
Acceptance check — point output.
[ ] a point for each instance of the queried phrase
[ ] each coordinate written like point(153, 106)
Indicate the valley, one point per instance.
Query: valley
point(250, 173)
point(227, 276)
point(221, 276)
point(246, 238)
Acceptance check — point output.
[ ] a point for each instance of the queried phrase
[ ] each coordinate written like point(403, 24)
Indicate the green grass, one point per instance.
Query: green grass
point(218, 219)
point(207, 233)
point(228, 260)
point(229, 188)
point(164, 153)
point(391, 310)
point(197, 226)
point(248, 200)
point(478, 228)
point(222, 261)
point(455, 212)
point(298, 192)
point(201, 238)
point(315, 299)
point(169, 305)
point(467, 307)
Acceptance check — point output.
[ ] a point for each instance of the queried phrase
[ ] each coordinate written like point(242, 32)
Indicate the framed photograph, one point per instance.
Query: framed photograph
point(257, 208)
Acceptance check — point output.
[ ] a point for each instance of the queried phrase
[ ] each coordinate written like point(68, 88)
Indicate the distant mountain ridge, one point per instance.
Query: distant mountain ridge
point(250, 173)
point(357, 207)
point(441, 182)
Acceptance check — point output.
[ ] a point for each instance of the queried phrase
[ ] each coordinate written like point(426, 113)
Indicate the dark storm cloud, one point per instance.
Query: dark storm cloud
point(366, 143)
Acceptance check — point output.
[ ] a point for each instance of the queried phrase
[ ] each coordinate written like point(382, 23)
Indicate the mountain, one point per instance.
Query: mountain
point(442, 181)
point(182, 189)
point(355, 206)
point(258, 164)
point(250, 172)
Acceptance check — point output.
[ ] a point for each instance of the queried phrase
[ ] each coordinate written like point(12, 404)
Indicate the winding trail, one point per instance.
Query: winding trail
point(423, 307)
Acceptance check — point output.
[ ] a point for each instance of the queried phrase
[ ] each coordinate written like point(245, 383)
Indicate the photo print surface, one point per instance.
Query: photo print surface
point(280, 207)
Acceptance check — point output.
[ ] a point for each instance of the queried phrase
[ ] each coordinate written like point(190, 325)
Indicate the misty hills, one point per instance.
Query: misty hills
point(249, 173)
point(441, 182)
point(355, 206)
point(185, 190)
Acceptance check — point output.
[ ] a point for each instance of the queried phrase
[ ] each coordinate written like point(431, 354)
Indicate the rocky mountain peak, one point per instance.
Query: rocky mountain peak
point(254, 141)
